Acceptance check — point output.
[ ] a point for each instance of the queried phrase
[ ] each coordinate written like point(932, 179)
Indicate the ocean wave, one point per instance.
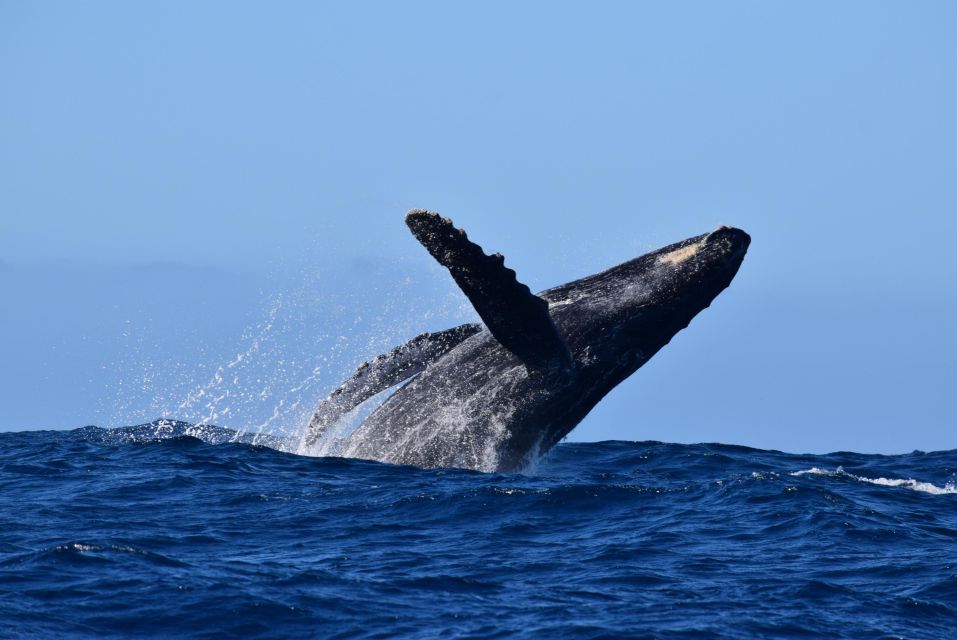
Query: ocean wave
point(168, 530)
point(907, 483)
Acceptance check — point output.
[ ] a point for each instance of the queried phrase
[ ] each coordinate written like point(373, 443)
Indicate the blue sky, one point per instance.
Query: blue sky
point(187, 183)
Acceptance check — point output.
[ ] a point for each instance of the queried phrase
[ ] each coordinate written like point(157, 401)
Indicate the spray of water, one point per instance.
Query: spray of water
point(309, 338)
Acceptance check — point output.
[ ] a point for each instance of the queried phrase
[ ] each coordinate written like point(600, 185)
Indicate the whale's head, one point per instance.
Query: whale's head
point(683, 277)
point(621, 317)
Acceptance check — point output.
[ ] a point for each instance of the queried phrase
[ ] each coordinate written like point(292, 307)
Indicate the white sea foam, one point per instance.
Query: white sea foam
point(907, 483)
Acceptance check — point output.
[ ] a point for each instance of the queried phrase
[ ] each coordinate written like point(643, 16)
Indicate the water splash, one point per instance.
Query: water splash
point(310, 337)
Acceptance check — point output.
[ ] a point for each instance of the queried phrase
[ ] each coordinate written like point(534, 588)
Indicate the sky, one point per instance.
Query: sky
point(201, 212)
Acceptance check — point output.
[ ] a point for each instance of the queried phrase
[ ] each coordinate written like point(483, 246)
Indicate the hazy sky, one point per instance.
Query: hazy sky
point(182, 184)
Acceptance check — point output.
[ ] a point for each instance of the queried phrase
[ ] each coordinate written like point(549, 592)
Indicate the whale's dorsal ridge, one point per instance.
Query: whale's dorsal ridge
point(518, 319)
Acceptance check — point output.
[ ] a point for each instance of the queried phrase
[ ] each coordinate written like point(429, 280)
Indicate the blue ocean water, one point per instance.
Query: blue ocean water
point(151, 532)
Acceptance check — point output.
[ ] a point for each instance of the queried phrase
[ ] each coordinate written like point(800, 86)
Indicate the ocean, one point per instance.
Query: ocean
point(161, 531)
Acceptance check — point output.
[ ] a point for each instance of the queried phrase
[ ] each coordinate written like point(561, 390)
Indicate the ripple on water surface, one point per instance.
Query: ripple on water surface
point(202, 533)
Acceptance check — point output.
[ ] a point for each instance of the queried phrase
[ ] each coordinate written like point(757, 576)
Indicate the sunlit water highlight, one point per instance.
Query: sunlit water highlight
point(179, 531)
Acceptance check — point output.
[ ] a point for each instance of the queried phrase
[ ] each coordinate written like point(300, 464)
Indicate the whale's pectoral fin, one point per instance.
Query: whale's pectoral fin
point(384, 371)
point(517, 318)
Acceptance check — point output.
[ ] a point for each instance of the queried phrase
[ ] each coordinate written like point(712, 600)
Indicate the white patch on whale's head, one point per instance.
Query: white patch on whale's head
point(679, 255)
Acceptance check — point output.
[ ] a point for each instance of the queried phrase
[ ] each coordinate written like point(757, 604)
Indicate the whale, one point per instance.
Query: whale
point(494, 396)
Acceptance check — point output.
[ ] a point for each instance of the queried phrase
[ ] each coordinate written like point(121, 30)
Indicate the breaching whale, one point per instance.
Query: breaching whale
point(494, 396)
